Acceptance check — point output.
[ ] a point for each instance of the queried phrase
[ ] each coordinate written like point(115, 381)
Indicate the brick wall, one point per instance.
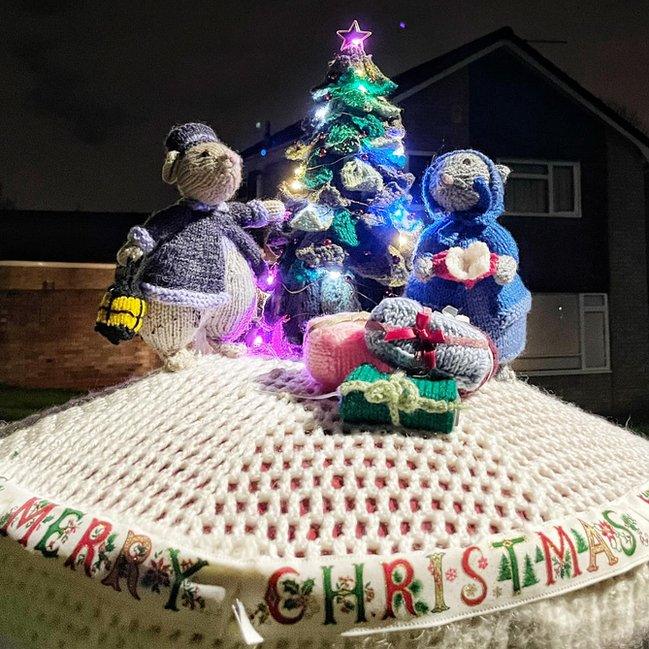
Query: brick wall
point(47, 315)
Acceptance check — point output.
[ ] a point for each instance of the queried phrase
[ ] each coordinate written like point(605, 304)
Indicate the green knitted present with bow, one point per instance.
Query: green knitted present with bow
point(372, 397)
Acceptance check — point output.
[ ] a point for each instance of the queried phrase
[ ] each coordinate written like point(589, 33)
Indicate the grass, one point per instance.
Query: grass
point(16, 403)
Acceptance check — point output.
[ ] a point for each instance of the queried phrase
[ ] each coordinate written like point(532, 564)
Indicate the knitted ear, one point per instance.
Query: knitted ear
point(170, 167)
point(504, 172)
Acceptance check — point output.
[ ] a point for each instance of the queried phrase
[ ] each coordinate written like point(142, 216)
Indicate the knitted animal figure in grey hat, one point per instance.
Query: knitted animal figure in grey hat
point(198, 264)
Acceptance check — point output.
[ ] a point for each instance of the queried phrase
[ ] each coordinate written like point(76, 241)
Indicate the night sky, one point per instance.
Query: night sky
point(89, 89)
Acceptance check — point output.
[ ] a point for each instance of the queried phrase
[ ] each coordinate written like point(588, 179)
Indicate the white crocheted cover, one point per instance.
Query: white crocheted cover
point(226, 460)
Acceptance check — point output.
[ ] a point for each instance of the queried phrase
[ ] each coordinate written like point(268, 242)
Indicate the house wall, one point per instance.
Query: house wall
point(516, 112)
point(627, 236)
point(47, 337)
point(437, 117)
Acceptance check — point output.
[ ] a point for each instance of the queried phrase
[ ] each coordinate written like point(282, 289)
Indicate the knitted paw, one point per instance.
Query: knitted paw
point(128, 253)
point(505, 270)
point(422, 267)
point(180, 360)
point(231, 350)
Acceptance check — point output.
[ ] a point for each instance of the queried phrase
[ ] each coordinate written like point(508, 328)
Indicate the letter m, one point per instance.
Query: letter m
point(30, 514)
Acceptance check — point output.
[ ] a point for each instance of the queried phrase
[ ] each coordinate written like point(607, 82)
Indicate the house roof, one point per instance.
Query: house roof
point(415, 79)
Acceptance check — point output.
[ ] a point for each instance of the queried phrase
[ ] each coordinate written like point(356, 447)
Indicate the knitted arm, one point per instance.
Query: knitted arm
point(427, 248)
point(256, 213)
point(502, 243)
point(142, 239)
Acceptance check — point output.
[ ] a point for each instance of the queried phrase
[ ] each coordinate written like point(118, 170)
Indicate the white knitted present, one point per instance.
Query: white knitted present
point(221, 485)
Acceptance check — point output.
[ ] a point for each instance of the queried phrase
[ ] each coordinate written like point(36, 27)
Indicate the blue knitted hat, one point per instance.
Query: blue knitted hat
point(186, 136)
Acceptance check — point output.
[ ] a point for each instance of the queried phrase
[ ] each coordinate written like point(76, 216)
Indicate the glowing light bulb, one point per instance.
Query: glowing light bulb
point(296, 185)
point(258, 341)
point(270, 279)
point(334, 274)
point(322, 112)
point(362, 87)
point(402, 239)
point(263, 153)
point(400, 150)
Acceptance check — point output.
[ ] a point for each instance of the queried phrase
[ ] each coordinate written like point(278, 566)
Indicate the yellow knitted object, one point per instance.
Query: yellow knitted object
point(122, 311)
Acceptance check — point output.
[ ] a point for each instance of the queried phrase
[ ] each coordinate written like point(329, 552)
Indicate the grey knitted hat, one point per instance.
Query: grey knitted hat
point(185, 136)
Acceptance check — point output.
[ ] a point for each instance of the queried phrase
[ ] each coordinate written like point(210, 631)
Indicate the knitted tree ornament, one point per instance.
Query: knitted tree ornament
point(343, 229)
point(312, 218)
point(144, 516)
point(357, 176)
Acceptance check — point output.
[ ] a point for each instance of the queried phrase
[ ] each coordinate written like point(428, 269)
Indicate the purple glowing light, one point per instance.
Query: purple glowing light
point(258, 341)
point(402, 25)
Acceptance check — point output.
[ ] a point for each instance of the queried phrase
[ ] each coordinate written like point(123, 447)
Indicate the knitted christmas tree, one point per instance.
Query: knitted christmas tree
point(350, 237)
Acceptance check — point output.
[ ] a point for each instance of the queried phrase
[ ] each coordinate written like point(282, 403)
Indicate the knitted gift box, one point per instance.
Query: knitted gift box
point(334, 345)
point(404, 334)
point(369, 396)
point(139, 516)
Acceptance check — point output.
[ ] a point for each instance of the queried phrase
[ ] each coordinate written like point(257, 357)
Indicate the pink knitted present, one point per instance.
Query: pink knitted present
point(334, 345)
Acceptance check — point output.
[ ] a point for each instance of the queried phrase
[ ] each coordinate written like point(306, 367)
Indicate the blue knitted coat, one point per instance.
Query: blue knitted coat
point(184, 260)
point(500, 311)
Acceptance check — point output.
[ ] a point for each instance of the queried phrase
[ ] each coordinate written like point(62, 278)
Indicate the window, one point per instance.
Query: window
point(543, 188)
point(567, 333)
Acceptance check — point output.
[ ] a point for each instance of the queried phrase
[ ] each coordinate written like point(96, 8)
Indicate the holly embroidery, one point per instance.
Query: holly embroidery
point(563, 568)
point(158, 575)
point(103, 552)
point(190, 597)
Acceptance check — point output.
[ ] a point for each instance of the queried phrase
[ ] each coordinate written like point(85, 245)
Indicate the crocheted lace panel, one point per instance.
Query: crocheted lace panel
point(224, 457)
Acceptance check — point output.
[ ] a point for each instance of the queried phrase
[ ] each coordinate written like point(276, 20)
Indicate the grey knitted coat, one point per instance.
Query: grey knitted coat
point(184, 260)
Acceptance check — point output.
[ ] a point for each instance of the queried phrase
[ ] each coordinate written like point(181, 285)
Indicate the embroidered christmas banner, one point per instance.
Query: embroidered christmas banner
point(353, 595)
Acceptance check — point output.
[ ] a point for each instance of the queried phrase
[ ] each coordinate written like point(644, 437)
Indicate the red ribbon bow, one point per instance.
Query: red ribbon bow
point(427, 338)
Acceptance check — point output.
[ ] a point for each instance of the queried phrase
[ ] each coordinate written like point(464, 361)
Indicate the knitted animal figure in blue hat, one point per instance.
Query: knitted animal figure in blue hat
point(198, 266)
point(465, 258)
